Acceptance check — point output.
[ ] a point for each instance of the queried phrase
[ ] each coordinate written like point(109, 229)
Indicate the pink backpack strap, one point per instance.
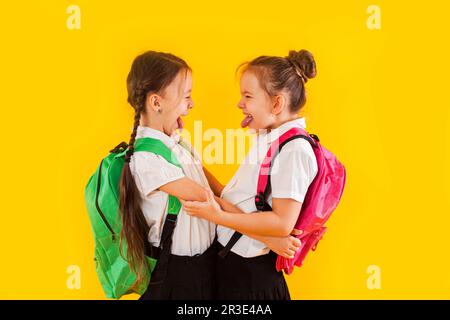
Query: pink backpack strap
point(263, 187)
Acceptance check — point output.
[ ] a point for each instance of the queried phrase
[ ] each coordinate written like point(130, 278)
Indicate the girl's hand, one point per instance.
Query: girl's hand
point(206, 210)
point(284, 246)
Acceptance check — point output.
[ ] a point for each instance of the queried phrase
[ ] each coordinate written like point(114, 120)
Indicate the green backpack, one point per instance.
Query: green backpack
point(102, 202)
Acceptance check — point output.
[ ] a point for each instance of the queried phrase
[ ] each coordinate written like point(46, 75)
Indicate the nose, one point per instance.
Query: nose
point(240, 105)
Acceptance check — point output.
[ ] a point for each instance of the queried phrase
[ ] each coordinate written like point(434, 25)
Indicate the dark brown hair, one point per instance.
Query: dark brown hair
point(151, 72)
point(290, 73)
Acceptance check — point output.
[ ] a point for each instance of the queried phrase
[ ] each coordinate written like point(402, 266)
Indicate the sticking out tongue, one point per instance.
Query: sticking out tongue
point(180, 123)
point(246, 121)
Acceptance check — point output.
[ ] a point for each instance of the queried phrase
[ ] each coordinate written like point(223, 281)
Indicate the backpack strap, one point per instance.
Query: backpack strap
point(263, 186)
point(157, 147)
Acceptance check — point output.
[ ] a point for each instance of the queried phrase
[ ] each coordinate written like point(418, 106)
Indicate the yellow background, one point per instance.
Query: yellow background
point(380, 102)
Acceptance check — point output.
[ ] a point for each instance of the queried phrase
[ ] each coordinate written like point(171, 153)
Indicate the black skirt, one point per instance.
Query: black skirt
point(186, 278)
point(240, 278)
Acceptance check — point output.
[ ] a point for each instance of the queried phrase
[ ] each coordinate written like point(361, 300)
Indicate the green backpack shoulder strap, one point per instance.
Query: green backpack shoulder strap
point(158, 147)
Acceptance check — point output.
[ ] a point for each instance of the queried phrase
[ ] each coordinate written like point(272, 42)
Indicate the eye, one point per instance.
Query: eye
point(247, 96)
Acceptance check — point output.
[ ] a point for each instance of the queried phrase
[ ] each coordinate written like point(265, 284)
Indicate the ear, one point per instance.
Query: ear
point(279, 103)
point(153, 102)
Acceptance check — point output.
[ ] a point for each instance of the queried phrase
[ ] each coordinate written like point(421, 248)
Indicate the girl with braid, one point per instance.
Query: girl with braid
point(159, 89)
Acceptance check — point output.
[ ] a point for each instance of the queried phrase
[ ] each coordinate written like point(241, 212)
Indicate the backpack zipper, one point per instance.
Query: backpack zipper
point(98, 206)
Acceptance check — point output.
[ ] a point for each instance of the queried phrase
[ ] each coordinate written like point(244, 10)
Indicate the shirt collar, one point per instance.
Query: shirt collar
point(277, 132)
point(146, 132)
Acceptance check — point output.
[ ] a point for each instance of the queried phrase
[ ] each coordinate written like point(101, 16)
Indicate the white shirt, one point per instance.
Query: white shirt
point(192, 235)
point(293, 170)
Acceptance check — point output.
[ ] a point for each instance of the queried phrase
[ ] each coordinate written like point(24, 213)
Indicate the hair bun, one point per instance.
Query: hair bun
point(304, 61)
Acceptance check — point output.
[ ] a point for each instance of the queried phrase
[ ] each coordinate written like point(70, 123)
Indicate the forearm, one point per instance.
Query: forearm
point(262, 223)
point(214, 184)
point(185, 189)
point(263, 239)
point(229, 207)
point(271, 226)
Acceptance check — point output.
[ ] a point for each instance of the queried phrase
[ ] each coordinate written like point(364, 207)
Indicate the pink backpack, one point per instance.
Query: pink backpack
point(321, 199)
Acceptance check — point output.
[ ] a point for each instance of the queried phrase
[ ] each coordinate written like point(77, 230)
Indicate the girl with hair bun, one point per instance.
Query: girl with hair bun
point(273, 90)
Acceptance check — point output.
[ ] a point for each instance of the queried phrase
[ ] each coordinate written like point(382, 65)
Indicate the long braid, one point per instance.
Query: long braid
point(137, 118)
point(132, 216)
